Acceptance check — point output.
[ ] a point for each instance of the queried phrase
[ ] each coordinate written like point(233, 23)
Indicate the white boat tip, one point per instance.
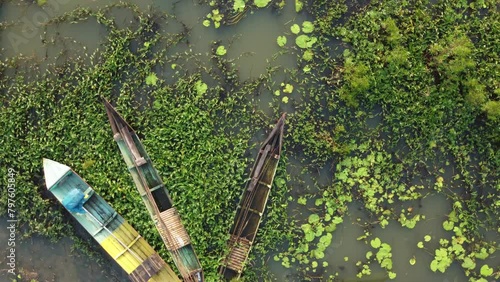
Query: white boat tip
point(53, 171)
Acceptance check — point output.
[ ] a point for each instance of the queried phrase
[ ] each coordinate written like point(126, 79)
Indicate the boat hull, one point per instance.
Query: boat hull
point(156, 197)
point(252, 204)
point(116, 236)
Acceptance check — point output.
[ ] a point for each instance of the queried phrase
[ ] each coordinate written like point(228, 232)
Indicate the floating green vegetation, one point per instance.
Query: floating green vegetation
point(399, 103)
point(281, 40)
point(197, 134)
point(221, 50)
point(261, 3)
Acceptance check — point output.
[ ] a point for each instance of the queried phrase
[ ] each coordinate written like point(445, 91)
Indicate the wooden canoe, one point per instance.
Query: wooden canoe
point(156, 198)
point(120, 240)
point(253, 203)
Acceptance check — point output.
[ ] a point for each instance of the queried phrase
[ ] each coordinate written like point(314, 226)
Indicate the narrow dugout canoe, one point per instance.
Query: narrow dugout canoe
point(253, 203)
point(120, 240)
point(156, 197)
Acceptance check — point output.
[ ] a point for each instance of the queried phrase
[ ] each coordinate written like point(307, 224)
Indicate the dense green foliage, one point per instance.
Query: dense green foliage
point(197, 136)
point(399, 101)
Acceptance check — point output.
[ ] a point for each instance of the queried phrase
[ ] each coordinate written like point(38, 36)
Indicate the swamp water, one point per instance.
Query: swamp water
point(42, 260)
point(252, 45)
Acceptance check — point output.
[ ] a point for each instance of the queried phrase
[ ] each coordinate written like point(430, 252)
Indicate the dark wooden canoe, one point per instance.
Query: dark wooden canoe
point(156, 198)
point(253, 203)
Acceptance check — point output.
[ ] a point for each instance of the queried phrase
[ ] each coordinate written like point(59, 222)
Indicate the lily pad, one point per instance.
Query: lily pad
point(288, 88)
point(206, 23)
point(486, 270)
point(281, 40)
point(413, 260)
point(239, 5)
point(313, 218)
point(295, 28)
point(261, 3)
point(298, 5)
point(304, 41)
point(308, 55)
point(427, 238)
point(221, 50)
point(201, 87)
point(468, 263)
point(284, 99)
point(375, 243)
point(448, 225)
point(151, 79)
point(307, 27)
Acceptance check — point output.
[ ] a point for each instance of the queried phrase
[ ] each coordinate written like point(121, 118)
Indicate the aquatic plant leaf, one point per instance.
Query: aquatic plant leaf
point(392, 275)
point(331, 227)
point(281, 40)
point(337, 220)
point(206, 23)
point(201, 87)
point(286, 262)
point(314, 264)
point(307, 27)
point(280, 182)
point(308, 55)
point(325, 264)
point(468, 263)
point(304, 41)
point(284, 99)
point(261, 3)
point(427, 238)
point(420, 245)
point(151, 79)
point(306, 227)
point(239, 5)
point(326, 239)
point(386, 263)
point(319, 230)
point(295, 28)
point(375, 243)
point(318, 254)
point(221, 50)
point(486, 270)
point(434, 265)
point(413, 260)
point(298, 5)
point(41, 2)
point(448, 225)
point(369, 254)
point(483, 254)
point(288, 88)
point(302, 201)
point(309, 237)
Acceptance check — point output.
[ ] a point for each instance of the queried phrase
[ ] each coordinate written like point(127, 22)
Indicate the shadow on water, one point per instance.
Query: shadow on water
point(39, 258)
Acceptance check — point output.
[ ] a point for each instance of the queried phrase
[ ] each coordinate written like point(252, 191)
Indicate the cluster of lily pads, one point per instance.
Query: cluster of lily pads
point(406, 108)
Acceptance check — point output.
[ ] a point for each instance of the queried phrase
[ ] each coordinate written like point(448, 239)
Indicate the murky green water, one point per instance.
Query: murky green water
point(251, 45)
point(39, 258)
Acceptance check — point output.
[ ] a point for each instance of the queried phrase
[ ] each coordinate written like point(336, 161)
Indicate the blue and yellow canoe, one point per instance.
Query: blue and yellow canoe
point(118, 238)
